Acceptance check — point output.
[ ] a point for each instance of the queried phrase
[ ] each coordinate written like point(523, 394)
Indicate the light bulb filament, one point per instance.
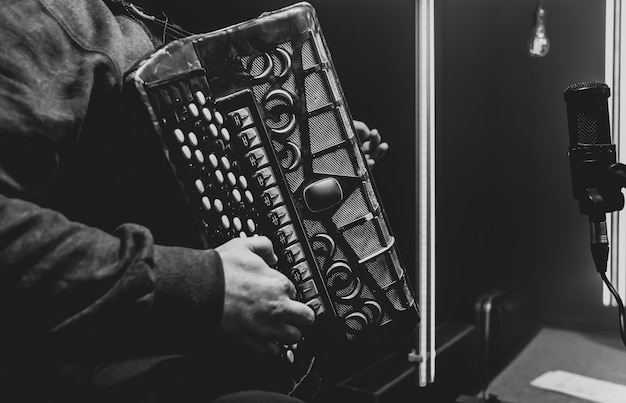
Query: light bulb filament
point(539, 45)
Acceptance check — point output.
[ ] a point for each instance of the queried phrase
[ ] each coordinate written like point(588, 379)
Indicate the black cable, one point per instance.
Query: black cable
point(620, 306)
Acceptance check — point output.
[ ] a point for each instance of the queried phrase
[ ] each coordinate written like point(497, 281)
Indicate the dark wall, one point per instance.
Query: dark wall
point(506, 213)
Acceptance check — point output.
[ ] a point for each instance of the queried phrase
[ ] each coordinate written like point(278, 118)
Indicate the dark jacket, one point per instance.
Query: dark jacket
point(73, 259)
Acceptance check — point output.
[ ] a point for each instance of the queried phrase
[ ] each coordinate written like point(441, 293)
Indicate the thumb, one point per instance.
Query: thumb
point(262, 246)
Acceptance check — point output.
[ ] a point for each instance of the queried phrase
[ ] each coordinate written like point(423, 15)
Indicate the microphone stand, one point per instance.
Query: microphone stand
point(599, 241)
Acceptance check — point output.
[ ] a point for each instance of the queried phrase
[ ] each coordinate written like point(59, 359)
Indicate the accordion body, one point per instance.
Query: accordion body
point(253, 124)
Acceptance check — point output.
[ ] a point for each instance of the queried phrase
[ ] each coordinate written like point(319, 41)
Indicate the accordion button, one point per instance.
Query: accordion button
point(251, 225)
point(232, 180)
point(199, 186)
point(218, 118)
point(301, 272)
point(200, 98)
point(323, 194)
point(225, 222)
point(236, 196)
point(243, 182)
point(249, 197)
point(219, 176)
point(180, 136)
point(293, 253)
point(286, 235)
point(240, 118)
point(213, 160)
point(206, 114)
point(237, 224)
point(186, 152)
point(219, 206)
point(213, 130)
point(225, 134)
point(307, 290)
point(206, 203)
point(193, 139)
point(290, 356)
point(193, 109)
point(225, 163)
point(199, 156)
point(316, 305)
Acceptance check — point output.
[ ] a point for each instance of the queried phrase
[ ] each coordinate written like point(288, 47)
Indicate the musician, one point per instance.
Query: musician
point(75, 276)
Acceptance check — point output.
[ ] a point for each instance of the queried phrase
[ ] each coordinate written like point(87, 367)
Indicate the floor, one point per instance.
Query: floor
point(554, 349)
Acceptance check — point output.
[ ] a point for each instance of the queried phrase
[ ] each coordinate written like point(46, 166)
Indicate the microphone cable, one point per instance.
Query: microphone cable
point(620, 306)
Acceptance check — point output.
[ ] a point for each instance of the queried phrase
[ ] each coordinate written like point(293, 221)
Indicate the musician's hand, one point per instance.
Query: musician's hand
point(258, 307)
point(373, 147)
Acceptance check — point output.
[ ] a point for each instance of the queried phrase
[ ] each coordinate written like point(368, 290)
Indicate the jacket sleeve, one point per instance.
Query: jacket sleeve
point(56, 274)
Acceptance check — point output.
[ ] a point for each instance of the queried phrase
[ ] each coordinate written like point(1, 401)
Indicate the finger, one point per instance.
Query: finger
point(297, 313)
point(263, 347)
point(288, 334)
point(361, 130)
point(374, 139)
point(366, 147)
point(262, 246)
point(382, 149)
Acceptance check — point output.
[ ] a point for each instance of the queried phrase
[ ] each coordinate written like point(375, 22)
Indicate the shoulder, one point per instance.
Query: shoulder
point(96, 28)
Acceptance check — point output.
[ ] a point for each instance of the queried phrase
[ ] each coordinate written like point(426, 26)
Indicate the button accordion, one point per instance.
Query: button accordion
point(255, 128)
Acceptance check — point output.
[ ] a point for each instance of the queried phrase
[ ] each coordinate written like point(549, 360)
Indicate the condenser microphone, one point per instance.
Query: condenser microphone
point(592, 159)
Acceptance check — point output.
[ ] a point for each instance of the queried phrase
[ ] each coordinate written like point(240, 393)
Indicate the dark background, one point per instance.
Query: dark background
point(506, 211)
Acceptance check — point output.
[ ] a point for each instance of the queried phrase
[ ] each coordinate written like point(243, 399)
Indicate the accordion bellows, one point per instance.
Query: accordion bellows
point(254, 124)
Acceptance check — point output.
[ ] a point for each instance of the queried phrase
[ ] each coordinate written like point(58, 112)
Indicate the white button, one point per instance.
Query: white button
point(180, 136)
point(225, 134)
point(225, 222)
point(218, 118)
point(206, 203)
point(200, 98)
point(290, 356)
point(225, 163)
point(219, 206)
point(199, 185)
point(199, 156)
point(193, 109)
point(219, 176)
point(243, 235)
point(193, 139)
point(236, 195)
point(206, 113)
point(186, 152)
point(243, 182)
point(251, 225)
point(249, 197)
point(213, 130)
point(237, 224)
point(232, 180)
point(213, 160)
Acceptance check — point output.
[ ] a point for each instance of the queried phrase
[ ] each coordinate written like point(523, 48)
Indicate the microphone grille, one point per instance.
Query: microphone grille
point(588, 113)
point(586, 84)
point(587, 128)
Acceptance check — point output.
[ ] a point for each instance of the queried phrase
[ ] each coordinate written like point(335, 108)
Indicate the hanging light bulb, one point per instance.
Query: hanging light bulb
point(539, 45)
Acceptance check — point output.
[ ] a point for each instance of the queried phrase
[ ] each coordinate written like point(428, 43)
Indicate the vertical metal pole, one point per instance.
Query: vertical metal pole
point(431, 190)
point(616, 240)
point(425, 151)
